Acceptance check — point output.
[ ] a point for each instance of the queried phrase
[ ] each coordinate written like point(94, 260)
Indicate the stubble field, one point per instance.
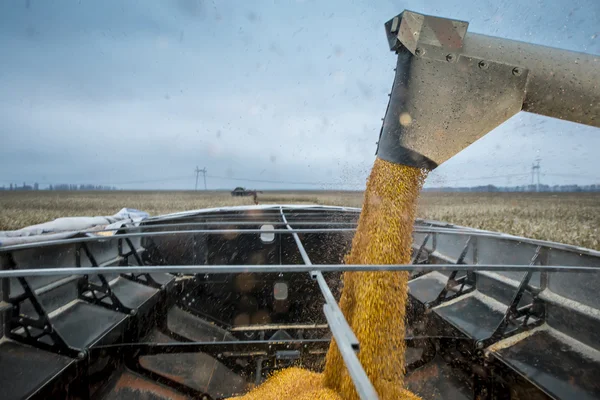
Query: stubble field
point(572, 218)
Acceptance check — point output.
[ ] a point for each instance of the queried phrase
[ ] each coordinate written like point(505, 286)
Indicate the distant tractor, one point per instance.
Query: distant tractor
point(240, 191)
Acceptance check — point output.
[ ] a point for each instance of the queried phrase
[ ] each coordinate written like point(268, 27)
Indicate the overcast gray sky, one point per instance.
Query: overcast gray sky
point(137, 93)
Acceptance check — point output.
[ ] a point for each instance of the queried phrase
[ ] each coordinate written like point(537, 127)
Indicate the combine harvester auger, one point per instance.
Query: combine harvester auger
point(204, 304)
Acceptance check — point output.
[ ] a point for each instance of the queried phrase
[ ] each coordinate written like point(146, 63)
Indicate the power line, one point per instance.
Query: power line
point(573, 176)
point(284, 182)
point(482, 177)
point(314, 183)
point(441, 180)
point(45, 182)
point(187, 177)
point(176, 178)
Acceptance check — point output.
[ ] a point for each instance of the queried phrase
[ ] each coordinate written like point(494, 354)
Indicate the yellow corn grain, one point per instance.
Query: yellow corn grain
point(292, 383)
point(374, 303)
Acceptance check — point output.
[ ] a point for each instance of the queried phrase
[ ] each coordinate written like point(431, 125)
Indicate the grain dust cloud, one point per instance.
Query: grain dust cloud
point(374, 303)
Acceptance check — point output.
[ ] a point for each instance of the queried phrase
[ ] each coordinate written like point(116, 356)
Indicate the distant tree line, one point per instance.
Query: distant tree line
point(524, 188)
point(60, 186)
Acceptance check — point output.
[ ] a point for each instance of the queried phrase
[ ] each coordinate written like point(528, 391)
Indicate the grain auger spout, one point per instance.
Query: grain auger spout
point(452, 87)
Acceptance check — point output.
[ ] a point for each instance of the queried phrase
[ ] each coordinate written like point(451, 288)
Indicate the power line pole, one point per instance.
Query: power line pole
point(538, 173)
point(535, 169)
point(197, 171)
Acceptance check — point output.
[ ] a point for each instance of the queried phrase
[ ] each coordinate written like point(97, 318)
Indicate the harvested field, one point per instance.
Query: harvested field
point(572, 218)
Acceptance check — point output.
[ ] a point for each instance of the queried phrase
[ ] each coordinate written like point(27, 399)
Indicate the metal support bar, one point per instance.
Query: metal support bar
point(148, 279)
point(56, 284)
point(18, 325)
point(289, 268)
point(276, 327)
point(334, 311)
point(101, 238)
point(417, 229)
point(294, 233)
point(133, 251)
point(513, 311)
point(421, 248)
point(227, 223)
point(273, 211)
point(362, 384)
point(85, 286)
point(452, 281)
point(219, 350)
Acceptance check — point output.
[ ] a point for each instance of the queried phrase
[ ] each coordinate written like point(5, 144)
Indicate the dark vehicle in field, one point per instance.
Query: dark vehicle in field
point(240, 191)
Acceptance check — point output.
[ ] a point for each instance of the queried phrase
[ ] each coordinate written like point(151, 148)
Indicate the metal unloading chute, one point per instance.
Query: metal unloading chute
point(452, 87)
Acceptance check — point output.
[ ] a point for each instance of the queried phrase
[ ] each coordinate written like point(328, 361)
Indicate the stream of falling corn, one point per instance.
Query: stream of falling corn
point(374, 303)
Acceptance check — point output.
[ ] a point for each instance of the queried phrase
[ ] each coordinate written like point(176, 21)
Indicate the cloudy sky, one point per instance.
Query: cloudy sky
point(137, 93)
